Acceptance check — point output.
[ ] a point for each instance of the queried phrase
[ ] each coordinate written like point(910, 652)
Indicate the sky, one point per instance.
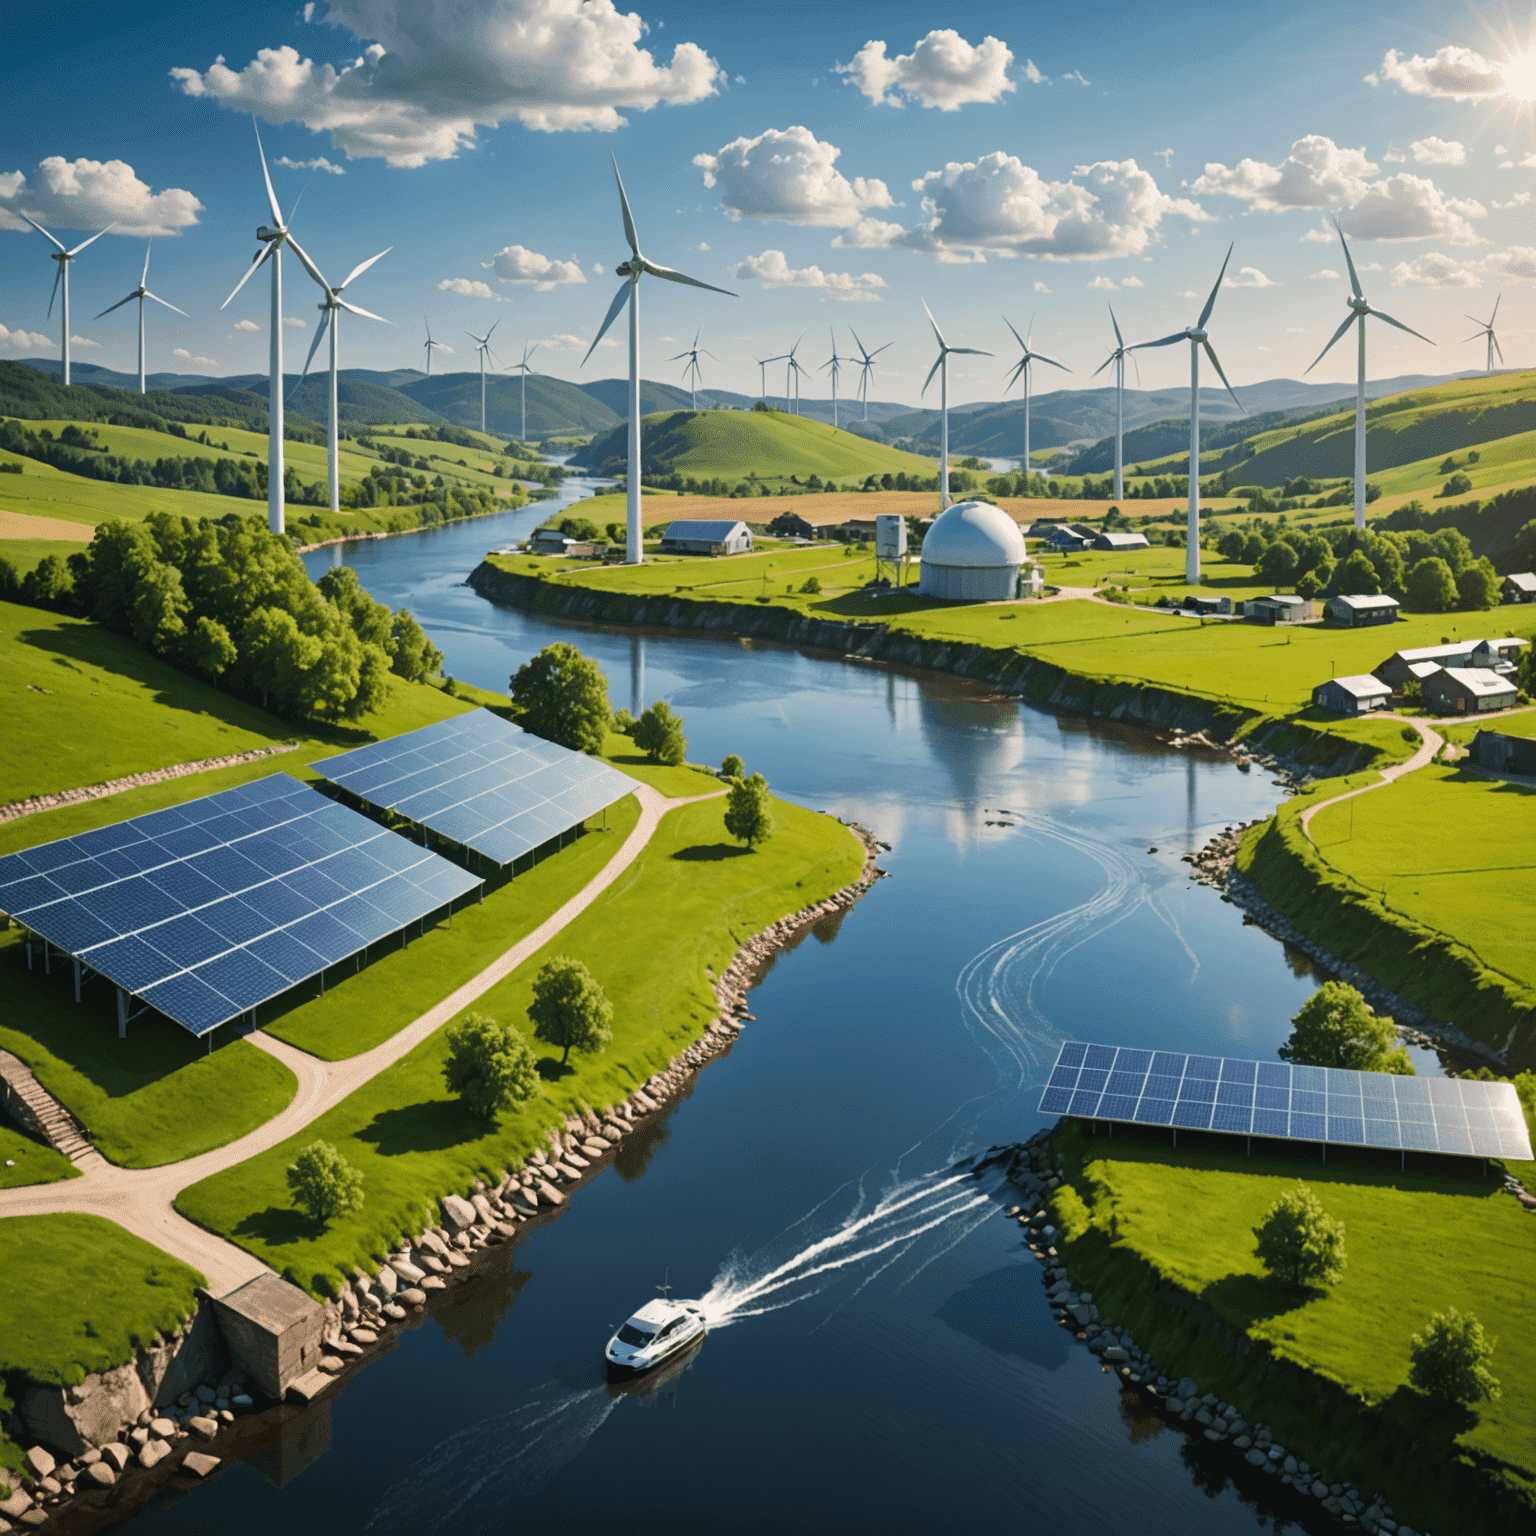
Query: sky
point(832, 166)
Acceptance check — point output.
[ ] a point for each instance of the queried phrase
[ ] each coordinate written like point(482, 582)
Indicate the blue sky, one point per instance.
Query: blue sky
point(833, 165)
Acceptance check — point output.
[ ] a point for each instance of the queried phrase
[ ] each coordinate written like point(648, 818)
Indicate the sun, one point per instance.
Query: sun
point(1519, 71)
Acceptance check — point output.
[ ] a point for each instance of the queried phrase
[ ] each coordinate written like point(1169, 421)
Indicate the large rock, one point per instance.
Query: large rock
point(483, 1210)
point(204, 1427)
point(199, 1462)
point(100, 1473)
point(458, 1213)
point(117, 1453)
point(40, 1463)
point(153, 1451)
point(16, 1505)
point(408, 1271)
point(389, 1281)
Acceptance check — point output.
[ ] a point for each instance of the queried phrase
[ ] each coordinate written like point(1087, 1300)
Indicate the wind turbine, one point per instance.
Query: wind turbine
point(1486, 329)
point(1117, 357)
point(1022, 367)
point(1358, 310)
point(430, 344)
point(523, 369)
point(1196, 337)
point(141, 293)
point(273, 238)
point(631, 271)
point(941, 367)
point(330, 319)
point(692, 370)
point(483, 346)
point(762, 381)
point(792, 371)
point(835, 364)
point(866, 367)
point(62, 275)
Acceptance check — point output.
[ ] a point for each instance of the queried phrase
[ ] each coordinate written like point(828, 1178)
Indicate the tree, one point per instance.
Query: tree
point(623, 722)
point(1449, 1360)
point(1299, 1242)
point(48, 584)
point(414, 656)
point(209, 647)
point(732, 767)
point(1431, 587)
point(564, 698)
point(659, 734)
point(490, 1066)
point(1356, 576)
point(569, 1008)
point(324, 1183)
point(747, 813)
point(1336, 1028)
point(1477, 585)
point(1277, 565)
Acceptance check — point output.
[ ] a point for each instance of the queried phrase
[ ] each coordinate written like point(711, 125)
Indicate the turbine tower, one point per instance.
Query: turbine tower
point(762, 380)
point(835, 363)
point(1117, 357)
point(1022, 367)
point(941, 367)
point(792, 371)
point(631, 271)
point(1485, 328)
point(691, 370)
point(1358, 310)
point(1196, 336)
point(523, 369)
point(330, 319)
point(64, 258)
point(273, 238)
point(866, 367)
point(483, 346)
point(430, 345)
point(141, 293)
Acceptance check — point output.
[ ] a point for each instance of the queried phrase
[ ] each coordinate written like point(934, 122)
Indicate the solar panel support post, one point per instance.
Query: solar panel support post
point(47, 967)
point(77, 978)
point(29, 951)
point(122, 1014)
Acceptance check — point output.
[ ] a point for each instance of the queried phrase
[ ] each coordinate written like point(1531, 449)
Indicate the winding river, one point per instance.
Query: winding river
point(880, 1357)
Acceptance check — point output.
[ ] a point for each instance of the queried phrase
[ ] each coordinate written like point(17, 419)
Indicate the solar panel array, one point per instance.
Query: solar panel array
point(1272, 1098)
point(206, 909)
point(480, 781)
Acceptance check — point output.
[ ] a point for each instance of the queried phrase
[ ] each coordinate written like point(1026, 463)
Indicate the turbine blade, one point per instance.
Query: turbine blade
point(679, 356)
point(1012, 327)
point(315, 344)
point(929, 380)
point(1210, 303)
point(973, 351)
point(1040, 357)
point(1475, 336)
point(144, 277)
point(367, 314)
point(308, 265)
point(879, 350)
point(1210, 352)
point(1338, 333)
point(935, 324)
point(158, 300)
point(629, 222)
point(1162, 341)
point(492, 330)
point(358, 271)
point(1498, 349)
point(1018, 368)
point(277, 213)
point(619, 300)
point(97, 236)
point(1119, 339)
point(1495, 315)
point(1102, 366)
point(1381, 315)
point(39, 228)
point(1354, 277)
point(1136, 364)
point(121, 302)
point(256, 262)
point(668, 275)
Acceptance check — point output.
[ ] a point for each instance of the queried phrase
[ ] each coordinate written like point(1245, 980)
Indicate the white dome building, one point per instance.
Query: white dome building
point(972, 552)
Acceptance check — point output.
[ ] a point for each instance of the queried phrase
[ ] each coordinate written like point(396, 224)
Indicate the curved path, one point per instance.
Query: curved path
point(142, 1199)
point(1425, 754)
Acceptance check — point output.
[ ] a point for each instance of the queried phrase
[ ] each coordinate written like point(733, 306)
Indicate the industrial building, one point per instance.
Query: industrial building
point(972, 553)
point(701, 537)
point(1358, 611)
point(1467, 691)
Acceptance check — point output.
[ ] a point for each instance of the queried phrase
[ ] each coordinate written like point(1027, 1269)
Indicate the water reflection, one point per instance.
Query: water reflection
point(1003, 1311)
point(472, 1318)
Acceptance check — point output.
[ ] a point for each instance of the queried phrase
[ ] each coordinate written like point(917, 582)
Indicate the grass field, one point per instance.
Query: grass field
point(1417, 1242)
point(1451, 850)
point(35, 1163)
point(648, 939)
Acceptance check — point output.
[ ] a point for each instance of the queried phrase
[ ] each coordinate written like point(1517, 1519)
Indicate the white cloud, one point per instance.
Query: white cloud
point(197, 362)
point(1251, 277)
point(703, 245)
point(83, 341)
point(943, 71)
point(1166, 156)
point(436, 70)
point(1316, 174)
point(1408, 207)
point(1517, 201)
point(1500, 149)
point(773, 270)
point(1462, 74)
point(1132, 282)
point(792, 175)
point(294, 323)
point(319, 163)
point(1433, 151)
point(1529, 162)
point(517, 264)
point(1103, 284)
point(471, 288)
point(563, 342)
point(1517, 264)
point(1327, 274)
point(246, 325)
point(1041, 288)
point(598, 269)
point(24, 341)
point(1077, 75)
point(90, 194)
point(1394, 156)
point(998, 204)
point(1435, 270)
point(869, 235)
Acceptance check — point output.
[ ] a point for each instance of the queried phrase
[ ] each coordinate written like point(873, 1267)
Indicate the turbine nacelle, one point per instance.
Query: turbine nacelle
point(265, 233)
point(1359, 306)
point(1196, 334)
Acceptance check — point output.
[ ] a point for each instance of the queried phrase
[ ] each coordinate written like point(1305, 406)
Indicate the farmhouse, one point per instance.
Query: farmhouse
point(1499, 753)
point(1357, 612)
point(1280, 608)
point(550, 541)
point(1467, 691)
point(1397, 669)
point(702, 537)
point(1519, 587)
point(1121, 541)
point(1351, 695)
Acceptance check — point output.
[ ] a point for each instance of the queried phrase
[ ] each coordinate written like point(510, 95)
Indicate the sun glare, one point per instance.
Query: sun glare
point(1519, 72)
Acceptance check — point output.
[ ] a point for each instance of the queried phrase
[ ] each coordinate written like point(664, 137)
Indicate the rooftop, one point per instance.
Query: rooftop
point(1362, 685)
point(1479, 681)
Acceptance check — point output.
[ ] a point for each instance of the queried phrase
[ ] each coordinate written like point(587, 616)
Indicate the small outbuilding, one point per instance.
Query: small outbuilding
point(1499, 753)
point(1467, 691)
point(1121, 542)
point(702, 537)
point(550, 541)
point(1518, 587)
point(1501, 654)
point(972, 553)
point(1357, 612)
point(1398, 669)
point(1278, 608)
point(1352, 695)
point(789, 525)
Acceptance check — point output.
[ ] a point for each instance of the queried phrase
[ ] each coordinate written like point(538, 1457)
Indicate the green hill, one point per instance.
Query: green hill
point(736, 444)
point(554, 406)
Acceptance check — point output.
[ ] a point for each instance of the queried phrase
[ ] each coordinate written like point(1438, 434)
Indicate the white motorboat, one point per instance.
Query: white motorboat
point(658, 1331)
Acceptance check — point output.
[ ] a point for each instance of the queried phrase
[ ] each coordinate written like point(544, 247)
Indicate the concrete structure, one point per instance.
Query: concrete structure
point(1467, 691)
point(972, 553)
point(1352, 695)
point(699, 536)
point(1397, 669)
point(1121, 541)
point(1279, 608)
point(273, 1332)
point(1357, 612)
point(1499, 753)
point(1518, 587)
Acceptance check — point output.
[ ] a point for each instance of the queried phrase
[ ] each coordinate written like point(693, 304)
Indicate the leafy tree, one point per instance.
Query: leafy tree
point(1449, 1360)
point(1308, 586)
point(209, 647)
point(490, 1066)
point(1431, 586)
point(747, 812)
point(659, 734)
point(624, 722)
point(732, 767)
point(1336, 1028)
point(1299, 1242)
point(1356, 576)
point(324, 1183)
point(369, 620)
point(10, 580)
point(48, 584)
point(569, 1008)
point(1457, 485)
point(1253, 547)
point(414, 657)
point(1277, 565)
point(1453, 546)
point(580, 528)
point(1477, 585)
point(811, 585)
point(564, 698)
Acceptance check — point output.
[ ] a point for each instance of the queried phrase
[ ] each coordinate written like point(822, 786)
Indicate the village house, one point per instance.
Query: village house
point(1397, 670)
point(1467, 691)
point(1499, 753)
point(1357, 612)
point(1279, 608)
point(1518, 587)
point(1352, 695)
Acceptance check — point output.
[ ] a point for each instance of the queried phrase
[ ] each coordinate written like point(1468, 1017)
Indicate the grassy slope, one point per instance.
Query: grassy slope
point(1448, 849)
point(648, 939)
point(35, 1163)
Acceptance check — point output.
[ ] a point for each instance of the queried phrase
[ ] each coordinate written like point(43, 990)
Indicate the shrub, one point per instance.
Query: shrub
point(569, 1008)
point(324, 1183)
point(1299, 1242)
point(624, 722)
point(490, 1066)
point(1336, 1028)
point(811, 585)
point(732, 767)
point(1449, 1360)
point(659, 734)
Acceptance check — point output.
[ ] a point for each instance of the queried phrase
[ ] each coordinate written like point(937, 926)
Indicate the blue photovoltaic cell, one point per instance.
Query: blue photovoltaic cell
point(480, 781)
point(1266, 1098)
point(207, 909)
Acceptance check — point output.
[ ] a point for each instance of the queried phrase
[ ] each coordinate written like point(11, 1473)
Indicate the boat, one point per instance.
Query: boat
point(661, 1329)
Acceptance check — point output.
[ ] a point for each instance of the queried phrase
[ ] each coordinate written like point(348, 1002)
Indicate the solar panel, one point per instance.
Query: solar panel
point(207, 909)
point(1268, 1098)
point(481, 782)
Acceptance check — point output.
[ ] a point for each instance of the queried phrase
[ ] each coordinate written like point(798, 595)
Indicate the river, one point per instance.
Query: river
point(882, 1358)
